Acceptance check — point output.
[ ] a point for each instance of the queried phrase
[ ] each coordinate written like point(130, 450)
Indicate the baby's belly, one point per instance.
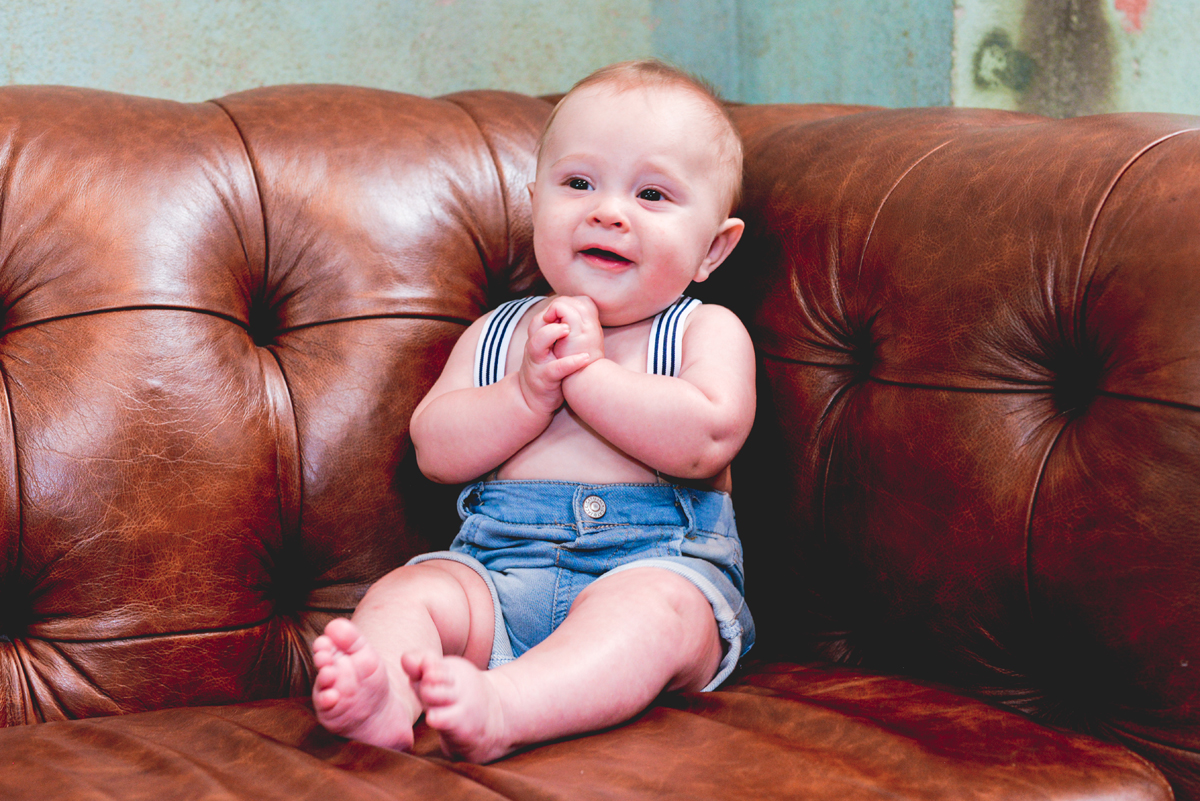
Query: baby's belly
point(568, 450)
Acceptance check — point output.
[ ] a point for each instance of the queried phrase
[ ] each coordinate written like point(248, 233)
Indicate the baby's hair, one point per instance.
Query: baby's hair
point(655, 74)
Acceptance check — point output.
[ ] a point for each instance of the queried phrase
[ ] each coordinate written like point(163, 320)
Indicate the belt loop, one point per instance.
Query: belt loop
point(683, 500)
point(577, 509)
point(467, 498)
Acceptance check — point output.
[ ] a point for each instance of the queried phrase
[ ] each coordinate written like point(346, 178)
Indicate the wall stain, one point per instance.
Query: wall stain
point(997, 63)
point(1072, 45)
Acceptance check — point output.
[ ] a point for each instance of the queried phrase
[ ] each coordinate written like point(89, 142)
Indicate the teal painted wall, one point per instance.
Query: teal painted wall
point(848, 51)
point(893, 53)
point(190, 50)
point(703, 37)
point(829, 50)
point(1058, 57)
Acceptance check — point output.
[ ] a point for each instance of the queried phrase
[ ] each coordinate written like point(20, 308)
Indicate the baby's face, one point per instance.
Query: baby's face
point(628, 199)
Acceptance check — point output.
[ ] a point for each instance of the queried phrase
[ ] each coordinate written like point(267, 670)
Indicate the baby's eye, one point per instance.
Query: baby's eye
point(650, 194)
point(579, 183)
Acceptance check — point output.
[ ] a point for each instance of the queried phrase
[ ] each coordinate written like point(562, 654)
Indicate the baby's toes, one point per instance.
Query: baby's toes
point(438, 693)
point(447, 719)
point(414, 665)
point(326, 677)
point(323, 653)
point(325, 694)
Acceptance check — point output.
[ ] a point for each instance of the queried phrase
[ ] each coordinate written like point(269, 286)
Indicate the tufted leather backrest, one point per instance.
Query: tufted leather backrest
point(217, 319)
point(977, 451)
point(980, 419)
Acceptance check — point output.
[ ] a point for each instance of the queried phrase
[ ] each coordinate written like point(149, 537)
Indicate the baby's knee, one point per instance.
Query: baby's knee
point(662, 607)
point(407, 587)
point(447, 594)
point(657, 593)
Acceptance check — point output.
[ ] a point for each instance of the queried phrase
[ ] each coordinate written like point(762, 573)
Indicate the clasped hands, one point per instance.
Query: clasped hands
point(564, 339)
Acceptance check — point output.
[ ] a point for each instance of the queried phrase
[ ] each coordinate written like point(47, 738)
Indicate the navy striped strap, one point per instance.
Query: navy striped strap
point(664, 354)
point(491, 352)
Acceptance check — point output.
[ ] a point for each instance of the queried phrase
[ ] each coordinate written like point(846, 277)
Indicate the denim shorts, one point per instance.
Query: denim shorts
point(538, 544)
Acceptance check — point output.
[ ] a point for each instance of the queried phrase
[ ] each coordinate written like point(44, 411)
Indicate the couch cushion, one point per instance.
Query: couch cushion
point(980, 416)
point(215, 321)
point(779, 731)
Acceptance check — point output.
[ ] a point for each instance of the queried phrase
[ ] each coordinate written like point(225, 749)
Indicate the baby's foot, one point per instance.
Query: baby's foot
point(462, 703)
point(352, 694)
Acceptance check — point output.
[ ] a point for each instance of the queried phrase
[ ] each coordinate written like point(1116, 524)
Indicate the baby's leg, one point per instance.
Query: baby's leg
point(435, 607)
point(628, 637)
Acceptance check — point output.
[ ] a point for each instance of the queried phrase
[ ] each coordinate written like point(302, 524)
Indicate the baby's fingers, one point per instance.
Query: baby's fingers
point(553, 313)
point(564, 309)
point(542, 340)
point(585, 307)
point(559, 369)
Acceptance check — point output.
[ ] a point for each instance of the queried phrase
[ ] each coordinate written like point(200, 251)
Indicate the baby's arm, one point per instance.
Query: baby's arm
point(691, 426)
point(461, 432)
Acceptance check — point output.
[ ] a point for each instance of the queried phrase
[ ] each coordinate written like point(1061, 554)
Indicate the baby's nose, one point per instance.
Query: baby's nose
point(609, 213)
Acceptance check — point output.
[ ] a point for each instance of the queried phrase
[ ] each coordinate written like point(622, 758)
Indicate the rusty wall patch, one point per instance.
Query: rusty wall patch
point(1072, 45)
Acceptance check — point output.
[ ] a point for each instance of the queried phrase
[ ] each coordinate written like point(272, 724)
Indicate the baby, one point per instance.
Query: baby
point(598, 563)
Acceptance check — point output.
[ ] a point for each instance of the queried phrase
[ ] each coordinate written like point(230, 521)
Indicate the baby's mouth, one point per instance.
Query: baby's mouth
point(606, 255)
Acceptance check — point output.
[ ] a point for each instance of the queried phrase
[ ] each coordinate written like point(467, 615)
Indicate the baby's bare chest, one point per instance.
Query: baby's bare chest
point(569, 449)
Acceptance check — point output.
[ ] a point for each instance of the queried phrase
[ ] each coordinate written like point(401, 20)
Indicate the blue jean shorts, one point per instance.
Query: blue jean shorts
point(538, 544)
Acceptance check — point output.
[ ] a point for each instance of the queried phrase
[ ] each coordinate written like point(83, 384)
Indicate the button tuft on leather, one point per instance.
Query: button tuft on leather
point(593, 507)
point(1076, 376)
point(861, 347)
point(264, 324)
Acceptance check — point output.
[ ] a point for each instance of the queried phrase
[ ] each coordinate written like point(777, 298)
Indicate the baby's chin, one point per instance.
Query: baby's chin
point(620, 308)
point(625, 315)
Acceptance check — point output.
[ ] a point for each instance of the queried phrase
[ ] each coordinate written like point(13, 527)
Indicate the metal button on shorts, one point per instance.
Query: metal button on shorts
point(593, 507)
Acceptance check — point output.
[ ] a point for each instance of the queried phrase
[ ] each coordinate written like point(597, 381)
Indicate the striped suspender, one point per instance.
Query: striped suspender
point(491, 353)
point(663, 353)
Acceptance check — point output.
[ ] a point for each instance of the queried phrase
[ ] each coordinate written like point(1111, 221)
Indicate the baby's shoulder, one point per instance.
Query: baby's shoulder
point(500, 333)
point(712, 317)
point(715, 336)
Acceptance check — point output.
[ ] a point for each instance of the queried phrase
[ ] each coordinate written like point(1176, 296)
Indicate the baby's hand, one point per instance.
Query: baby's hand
point(585, 334)
point(542, 369)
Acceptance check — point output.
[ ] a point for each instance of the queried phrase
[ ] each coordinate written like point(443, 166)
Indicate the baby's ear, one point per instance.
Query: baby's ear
point(726, 239)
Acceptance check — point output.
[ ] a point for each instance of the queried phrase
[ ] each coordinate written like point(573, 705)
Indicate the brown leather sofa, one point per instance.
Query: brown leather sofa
point(970, 506)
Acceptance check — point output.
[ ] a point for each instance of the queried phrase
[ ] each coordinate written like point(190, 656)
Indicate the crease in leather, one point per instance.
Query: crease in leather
point(1029, 516)
point(157, 744)
point(158, 635)
point(81, 673)
point(239, 323)
point(16, 511)
point(1036, 388)
point(1087, 241)
point(32, 677)
point(862, 257)
point(499, 185)
point(288, 480)
point(262, 203)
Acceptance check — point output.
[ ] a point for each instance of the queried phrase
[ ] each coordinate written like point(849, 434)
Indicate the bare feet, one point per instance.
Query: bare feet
point(352, 694)
point(463, 704)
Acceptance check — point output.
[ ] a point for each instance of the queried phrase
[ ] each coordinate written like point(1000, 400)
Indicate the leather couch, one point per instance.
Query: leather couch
point(970, 505)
